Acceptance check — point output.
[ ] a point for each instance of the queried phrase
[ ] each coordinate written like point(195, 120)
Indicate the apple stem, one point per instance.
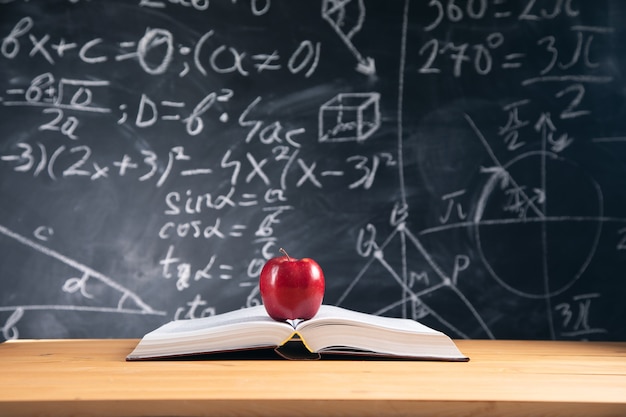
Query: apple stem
point(284, 252)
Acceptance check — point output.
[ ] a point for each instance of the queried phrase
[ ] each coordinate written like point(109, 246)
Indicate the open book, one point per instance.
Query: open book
point(333, 330)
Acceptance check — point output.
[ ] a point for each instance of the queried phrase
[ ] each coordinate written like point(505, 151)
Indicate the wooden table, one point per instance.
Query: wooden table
point(508, 378)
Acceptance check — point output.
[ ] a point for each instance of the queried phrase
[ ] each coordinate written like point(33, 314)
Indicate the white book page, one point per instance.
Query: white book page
point(239, 329)
point(335, 329)
point(328, 315)
point(247, 316)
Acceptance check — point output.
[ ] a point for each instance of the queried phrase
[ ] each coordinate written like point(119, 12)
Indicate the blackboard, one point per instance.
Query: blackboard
point(459, 162)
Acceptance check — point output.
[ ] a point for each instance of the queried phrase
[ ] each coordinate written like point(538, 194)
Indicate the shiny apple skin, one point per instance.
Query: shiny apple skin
point(291, 288)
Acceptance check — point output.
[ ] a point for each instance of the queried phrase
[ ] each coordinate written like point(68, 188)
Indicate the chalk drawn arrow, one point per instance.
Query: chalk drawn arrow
point(334, 12)
point(544, 124)
point(497, 172)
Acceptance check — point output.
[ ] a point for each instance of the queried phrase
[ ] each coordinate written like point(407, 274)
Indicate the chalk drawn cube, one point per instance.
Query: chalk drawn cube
point(349, 117)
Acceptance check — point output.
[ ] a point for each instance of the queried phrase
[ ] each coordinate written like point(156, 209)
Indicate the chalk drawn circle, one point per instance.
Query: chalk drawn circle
point(538, 223)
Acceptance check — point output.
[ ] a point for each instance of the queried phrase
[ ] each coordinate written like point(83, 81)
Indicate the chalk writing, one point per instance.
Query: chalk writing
point(458, 162)
point(576, 316)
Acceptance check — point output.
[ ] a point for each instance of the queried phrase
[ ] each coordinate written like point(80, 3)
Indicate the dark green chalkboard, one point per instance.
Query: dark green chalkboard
point(460, 162)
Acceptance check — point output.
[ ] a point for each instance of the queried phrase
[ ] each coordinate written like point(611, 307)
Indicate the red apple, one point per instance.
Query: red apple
point(291, 288)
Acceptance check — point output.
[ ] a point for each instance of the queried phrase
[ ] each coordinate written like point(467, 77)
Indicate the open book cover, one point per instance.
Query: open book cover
point(333, 330)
